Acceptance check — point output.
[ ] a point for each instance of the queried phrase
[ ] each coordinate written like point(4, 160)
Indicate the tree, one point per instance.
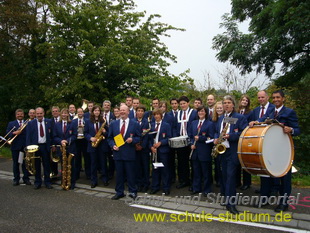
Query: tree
point(278, 33)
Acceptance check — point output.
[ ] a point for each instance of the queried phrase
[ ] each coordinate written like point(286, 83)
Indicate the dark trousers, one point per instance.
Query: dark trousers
point(98, 158)
point(161, 174)
point(267, 185)
point(183, 164)
point(217, 170)
point(81, 151)
point(125, 170)
point(16, 172)
point(43, 153)
point(143, 168)
point(172, 164)
point(202, 175)
point(229, 166)
point(111, 167)
point(247, 178)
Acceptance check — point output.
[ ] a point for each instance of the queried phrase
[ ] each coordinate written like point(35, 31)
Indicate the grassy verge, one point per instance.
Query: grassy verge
point(5, 152)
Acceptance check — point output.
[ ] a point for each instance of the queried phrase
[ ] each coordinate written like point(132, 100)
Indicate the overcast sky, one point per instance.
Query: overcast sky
point(201, 19)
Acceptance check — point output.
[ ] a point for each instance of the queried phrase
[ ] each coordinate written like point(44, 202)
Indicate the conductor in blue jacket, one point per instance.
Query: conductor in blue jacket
point(288, 119)
point(39, 132)
point(125, 155)
point(229, 159)
point(18, 145)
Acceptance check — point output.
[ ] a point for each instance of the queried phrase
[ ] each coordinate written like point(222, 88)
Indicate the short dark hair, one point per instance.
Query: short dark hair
point(174, 99)
point(280, 92)
point(141, 106)
point(206, 110)
point(184, 98)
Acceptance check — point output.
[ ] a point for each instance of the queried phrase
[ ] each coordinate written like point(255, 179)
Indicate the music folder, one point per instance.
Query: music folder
point(119, 140)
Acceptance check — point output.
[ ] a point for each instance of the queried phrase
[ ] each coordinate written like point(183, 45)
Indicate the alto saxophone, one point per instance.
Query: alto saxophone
point(66, 168)
point(220, 148)
point(99, 135)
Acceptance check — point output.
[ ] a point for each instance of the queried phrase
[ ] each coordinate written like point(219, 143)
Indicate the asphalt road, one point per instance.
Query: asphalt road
point(23, 209)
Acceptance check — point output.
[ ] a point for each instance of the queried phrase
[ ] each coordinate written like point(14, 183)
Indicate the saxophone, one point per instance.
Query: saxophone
point(220, 148)
point(66, 168)
point(99, 135)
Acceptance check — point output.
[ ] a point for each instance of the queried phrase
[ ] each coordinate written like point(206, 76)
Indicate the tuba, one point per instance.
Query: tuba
point(99, 135)
point(30, 158)
point(54, 157)
point(220, 148)
point(66, 168)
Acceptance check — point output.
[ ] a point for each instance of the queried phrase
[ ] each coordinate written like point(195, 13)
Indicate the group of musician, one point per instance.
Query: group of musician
point(147, 138)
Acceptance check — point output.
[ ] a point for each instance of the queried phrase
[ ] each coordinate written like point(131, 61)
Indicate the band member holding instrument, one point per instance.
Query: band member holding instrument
point(81, 146)
point(174, 104)
point(142, 152)
point(229, 159)
point(64, 134)
point(90, 106)
point(158, 144)
point(218, 111)
point(184, 118)
point(288, 119)
point(32, 114)
point(125, 155)
point(200, 131)
point(17, 146)
point(39, 132)
point(244, 109)
point(55, 118)
point(97, 154)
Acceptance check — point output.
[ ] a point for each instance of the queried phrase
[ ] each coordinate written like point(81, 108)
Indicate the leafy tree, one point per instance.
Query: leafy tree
point(278, 33)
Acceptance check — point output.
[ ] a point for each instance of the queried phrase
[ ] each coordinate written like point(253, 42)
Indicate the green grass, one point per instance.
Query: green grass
point(5, 152)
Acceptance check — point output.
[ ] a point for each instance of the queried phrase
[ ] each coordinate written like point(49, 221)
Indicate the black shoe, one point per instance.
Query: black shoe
point(245, 187)
point(27, 182)
point(154, 191)
point(281, 207)
point(232, 209)
point(166, 192)
point(106, 183)
point(133, 196)
point(72, 187)
point(194, 192)
point(15, 183)
point(257, 191)
point(93, 186)
point(37, 186)
point(116, 197)
point(182, 185)
point(48, 186)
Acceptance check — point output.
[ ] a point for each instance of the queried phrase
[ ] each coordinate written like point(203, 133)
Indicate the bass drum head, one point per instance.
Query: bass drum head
point(278, 153)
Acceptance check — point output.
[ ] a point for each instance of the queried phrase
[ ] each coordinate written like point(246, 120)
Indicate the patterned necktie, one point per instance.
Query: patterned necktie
point(80, 122)
point(65, 127)
point(123, 128)
point(20, 123)
point(275, 114)
point(41, 130)
point(262, 112)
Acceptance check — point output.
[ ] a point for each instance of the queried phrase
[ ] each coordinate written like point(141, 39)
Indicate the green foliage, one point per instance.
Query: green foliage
point(278, 33)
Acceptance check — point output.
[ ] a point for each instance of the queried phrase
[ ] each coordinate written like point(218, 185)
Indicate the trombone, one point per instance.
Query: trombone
point(6, 140)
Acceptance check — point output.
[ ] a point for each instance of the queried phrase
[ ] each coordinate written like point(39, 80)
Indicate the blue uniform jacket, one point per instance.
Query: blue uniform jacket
point(32, 133)
point(70, 135)
point(255, 113)
point(19, 142)
point(90, 131)
point(163, 137)
point(143, 126)
point(177, 126)
point(203, 150)
point(128, 150)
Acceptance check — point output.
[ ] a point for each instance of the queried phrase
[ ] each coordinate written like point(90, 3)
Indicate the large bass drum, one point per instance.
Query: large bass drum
point(265, 150)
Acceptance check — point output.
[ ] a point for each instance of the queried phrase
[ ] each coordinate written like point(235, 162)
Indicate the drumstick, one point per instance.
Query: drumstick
point(190, 155)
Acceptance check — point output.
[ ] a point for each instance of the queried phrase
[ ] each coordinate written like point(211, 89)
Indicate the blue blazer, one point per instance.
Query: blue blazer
point(70, 135)
point(86, 115)
point(255, 113)
point(203, 150)
point(144, 125)
point(128, 150)
point(234, 132)
point(90, 131)
point(286, 116)
point(163, 137)
point(177, 126)
point(131, 114)
point(19, 142)
point(32, 133)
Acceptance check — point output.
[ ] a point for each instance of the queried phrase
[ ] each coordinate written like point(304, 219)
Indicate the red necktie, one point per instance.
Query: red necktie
point(174, 113)
point(199, 126)
point(123, 128)
point(20, 123)
point(157, 125)
point(65, 127)
point(41, 130)
point(184, 118)
point(56, 120)
point(275, 114)
point(262, 112)
point(210, 113)
point(97, 127)
point(80, 122)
